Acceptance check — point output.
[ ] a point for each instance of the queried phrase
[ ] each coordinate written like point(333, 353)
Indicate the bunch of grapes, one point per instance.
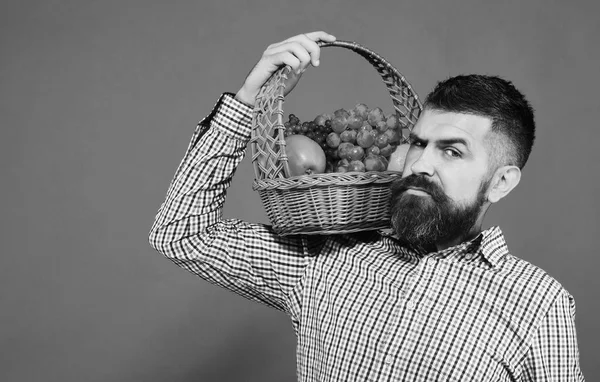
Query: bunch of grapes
point(359, 139)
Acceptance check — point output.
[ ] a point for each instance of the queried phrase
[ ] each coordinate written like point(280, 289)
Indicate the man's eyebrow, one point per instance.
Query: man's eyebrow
point(441, 142)
point(413, 137)
point(453, 141)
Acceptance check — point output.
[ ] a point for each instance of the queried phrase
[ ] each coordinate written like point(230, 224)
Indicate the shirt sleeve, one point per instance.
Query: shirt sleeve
point(554, 353)
point(246, 258)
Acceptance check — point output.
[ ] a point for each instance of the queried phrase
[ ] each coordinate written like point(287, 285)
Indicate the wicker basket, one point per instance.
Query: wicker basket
point(329, 203)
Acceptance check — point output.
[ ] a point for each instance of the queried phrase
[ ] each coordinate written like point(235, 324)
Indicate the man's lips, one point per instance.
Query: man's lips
point(417, 191)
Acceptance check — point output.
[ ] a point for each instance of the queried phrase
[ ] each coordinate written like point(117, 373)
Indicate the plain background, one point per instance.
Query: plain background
point(99, 100)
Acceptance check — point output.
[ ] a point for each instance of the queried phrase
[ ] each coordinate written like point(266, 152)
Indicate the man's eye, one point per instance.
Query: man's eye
point(453, 153)
point(416, 143)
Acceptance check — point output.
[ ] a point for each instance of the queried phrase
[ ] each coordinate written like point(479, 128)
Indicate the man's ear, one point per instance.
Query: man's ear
point(504, 180)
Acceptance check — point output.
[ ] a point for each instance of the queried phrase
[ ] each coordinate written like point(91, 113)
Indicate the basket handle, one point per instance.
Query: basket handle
point(267, 140)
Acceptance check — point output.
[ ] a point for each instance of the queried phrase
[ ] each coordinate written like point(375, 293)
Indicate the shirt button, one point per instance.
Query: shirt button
point(410, 304)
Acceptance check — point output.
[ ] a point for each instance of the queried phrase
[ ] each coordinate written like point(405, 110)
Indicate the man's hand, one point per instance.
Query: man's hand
point(297, 52)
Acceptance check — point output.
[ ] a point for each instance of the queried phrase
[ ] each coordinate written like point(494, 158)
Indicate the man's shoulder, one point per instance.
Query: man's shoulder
point(529, 278)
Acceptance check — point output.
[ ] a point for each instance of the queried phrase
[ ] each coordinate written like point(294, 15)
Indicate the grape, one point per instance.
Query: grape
point(356, 165)
point(343, 162)
point(361, 110)
point(373, 150)
point(339, 124)
point(374, 163)
point(393, 135)
point(382, 126)
point(375, 116)
point(366, 126)
point(355, 122)
point(365, 139)
point(320, 119)
point(348, 136)
point(304, 127)
point(381, 141)
point(344, 149)
point(333, 140)
point(356, 153)
point(392, 121)
point(386, 151)
point(341, 113)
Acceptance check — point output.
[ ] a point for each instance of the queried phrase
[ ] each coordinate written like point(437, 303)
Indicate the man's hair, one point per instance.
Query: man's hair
point(495, 98)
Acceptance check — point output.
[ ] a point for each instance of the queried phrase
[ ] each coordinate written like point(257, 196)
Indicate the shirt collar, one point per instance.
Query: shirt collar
point(491, 244)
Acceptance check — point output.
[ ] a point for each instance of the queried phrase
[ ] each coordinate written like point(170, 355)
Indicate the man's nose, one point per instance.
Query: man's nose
point(422, 165)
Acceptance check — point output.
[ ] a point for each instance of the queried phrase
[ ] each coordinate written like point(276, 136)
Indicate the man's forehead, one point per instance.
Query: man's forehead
point(435, 125)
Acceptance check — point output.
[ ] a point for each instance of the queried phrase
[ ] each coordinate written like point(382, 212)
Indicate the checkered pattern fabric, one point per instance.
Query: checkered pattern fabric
point(364, 308)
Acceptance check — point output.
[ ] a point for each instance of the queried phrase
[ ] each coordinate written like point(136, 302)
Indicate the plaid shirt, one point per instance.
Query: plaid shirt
point(363, 307)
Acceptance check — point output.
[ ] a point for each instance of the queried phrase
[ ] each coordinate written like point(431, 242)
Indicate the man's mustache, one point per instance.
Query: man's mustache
point(399, 186)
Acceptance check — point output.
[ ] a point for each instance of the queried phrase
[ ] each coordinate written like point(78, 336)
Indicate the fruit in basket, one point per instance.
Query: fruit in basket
point(392, 121)
point(341, 113)
point(320, 119)
point(356, 165)
point(355, 122)
point(374, 163)
point(333, 140)
point(365, 139)
point(386, 151)
point(305, 156)
point(361, 110)
point(393, 136)
point(339, 124)
point(356, 153)
point(375, 116)
point(398, 157)
point(344, 149)
point(346, 137)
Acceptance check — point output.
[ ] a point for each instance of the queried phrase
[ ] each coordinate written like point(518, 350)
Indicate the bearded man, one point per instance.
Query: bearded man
point(438, 300)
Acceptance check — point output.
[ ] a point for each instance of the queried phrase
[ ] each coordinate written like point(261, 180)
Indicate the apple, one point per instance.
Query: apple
point(305, 156)
point(398, 158)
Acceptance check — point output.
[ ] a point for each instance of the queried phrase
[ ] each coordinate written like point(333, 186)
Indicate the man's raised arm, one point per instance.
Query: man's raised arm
point(249, 259)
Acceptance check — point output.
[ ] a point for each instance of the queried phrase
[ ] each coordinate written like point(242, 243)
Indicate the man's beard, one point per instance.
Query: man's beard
point(422, 221)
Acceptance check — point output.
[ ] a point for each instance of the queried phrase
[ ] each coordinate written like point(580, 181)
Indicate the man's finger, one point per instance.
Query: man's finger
point(309, 41)
point(320, 36)
point(297, 49)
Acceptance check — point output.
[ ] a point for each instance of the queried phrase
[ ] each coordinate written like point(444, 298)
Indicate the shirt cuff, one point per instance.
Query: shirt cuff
point(233, 117)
